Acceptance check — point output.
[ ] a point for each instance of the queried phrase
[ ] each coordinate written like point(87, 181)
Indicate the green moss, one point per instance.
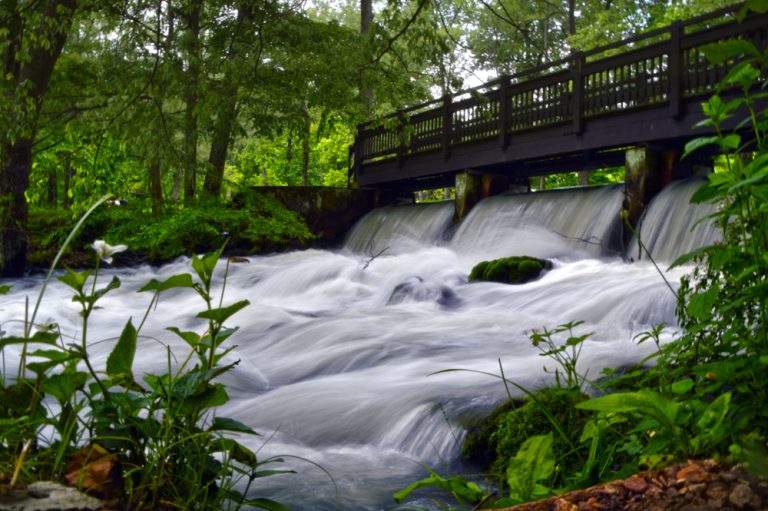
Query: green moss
point(509, 270)
point(495, 440)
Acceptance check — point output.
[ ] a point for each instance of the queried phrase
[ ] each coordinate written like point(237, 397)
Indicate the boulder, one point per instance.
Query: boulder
point(510, 270)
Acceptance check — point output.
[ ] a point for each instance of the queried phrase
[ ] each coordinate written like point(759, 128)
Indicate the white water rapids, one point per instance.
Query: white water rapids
point(337, 359)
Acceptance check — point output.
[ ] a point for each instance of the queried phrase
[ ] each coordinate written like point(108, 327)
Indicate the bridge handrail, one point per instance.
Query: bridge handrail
point(566, 60)
point(648, 75)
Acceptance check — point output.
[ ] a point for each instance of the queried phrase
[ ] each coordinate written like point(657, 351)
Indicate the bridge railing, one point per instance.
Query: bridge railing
point(661, 68)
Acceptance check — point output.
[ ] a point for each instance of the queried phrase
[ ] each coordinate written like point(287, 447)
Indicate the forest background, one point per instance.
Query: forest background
point(176, 105)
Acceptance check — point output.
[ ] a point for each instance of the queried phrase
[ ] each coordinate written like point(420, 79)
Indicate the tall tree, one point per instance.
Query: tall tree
point(32, 40)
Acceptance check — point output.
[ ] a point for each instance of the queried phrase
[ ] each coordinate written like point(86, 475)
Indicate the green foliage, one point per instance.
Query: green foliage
point(260, 223)
point(509, 270)
point(566, 355)
point(518, 425)
point(161, 438)
point(534, 462)
point(460, 489)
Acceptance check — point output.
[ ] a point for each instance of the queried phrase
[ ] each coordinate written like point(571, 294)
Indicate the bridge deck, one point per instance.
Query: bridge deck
point(570, 115)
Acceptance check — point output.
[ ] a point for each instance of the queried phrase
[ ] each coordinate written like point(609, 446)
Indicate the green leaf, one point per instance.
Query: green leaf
point(700, 305)
point(227, 424)
point(461, 489)
point(644, 402)
point(75, 280)
point(268, 504)
point(204, 266)
point(63, 386)
point(743, 74)
point(181, 280)
point(722, 51)
point(113, 284)
point(221, 315)
point(120, 361)
point(682, 386)
point(236, 450)
point(698, 143)
point(39, 337)
point(533, 462)
point(191, 338)
point(713, 416)
point(731, 142)
point(4, 289)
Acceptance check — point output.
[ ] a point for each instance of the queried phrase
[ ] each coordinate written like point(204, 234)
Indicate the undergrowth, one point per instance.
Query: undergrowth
point(707, 394)
point(141, 443)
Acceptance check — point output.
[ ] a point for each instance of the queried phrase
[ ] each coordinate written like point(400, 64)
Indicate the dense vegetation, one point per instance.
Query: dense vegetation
point(167, 103)
point(706, 395)
point(125, 98)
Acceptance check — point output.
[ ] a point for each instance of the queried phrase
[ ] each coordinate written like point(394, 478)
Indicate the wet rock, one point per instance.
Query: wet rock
point(510, 270)
point(416, 290)
point(47, 496)
point(741, 495)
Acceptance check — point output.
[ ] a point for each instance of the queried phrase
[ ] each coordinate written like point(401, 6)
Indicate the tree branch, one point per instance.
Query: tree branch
point(402, 31)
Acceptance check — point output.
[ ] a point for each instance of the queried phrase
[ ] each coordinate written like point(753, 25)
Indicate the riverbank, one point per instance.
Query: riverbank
point(261, 220)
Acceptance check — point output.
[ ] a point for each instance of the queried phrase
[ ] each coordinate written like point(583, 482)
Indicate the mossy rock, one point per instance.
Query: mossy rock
point(510, 270)
point(492, 442)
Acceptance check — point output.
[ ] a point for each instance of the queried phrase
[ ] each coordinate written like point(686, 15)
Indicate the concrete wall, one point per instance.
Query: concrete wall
point(328, 212)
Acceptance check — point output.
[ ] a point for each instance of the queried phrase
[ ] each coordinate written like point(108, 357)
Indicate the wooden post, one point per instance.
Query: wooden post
point(401, 149)
point(675, 69)
point(578, 92)
point(503, 112)
point(447, 126)
point(358, 151)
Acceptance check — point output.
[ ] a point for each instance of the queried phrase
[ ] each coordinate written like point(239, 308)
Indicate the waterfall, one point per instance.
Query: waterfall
point(671, 226)
point(400, 228)
point(560, 223)
point(338, 352)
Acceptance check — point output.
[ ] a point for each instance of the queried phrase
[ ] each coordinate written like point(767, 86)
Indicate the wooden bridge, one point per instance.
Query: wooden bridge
point(572, 114)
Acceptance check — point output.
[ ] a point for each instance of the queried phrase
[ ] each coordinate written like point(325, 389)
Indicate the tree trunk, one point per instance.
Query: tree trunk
point(305, 144)
point(264, 176)
point(222, 135)
point(225, 122)
point(30, 78)
point(366, 20)
point(192, 80)
point(155, 184)
point(15, 180)
point(53, 188)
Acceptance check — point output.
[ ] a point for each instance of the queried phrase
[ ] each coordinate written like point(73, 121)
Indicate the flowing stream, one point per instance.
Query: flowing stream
point(338, 349)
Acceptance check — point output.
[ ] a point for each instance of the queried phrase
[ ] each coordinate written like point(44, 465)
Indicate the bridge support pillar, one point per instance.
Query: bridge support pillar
point(472, 187)
point(469, 191)
point(642, 180)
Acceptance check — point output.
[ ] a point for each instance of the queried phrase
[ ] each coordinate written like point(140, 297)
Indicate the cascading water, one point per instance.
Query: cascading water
point(672, 226)
point(400, 228)
point(562, 223)
point(337, 351)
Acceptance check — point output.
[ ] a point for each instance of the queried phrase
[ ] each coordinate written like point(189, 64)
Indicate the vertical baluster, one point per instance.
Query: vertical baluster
point(578, 92)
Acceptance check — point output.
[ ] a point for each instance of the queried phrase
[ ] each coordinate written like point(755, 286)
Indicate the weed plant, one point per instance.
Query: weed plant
point(154, 443)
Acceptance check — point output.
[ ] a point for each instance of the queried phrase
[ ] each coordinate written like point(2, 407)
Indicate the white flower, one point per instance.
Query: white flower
point(106, 251)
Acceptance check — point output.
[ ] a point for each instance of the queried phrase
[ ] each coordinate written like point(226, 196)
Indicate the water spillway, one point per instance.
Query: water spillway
point(579, 222)
point(672, 226)
point(338, 349)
